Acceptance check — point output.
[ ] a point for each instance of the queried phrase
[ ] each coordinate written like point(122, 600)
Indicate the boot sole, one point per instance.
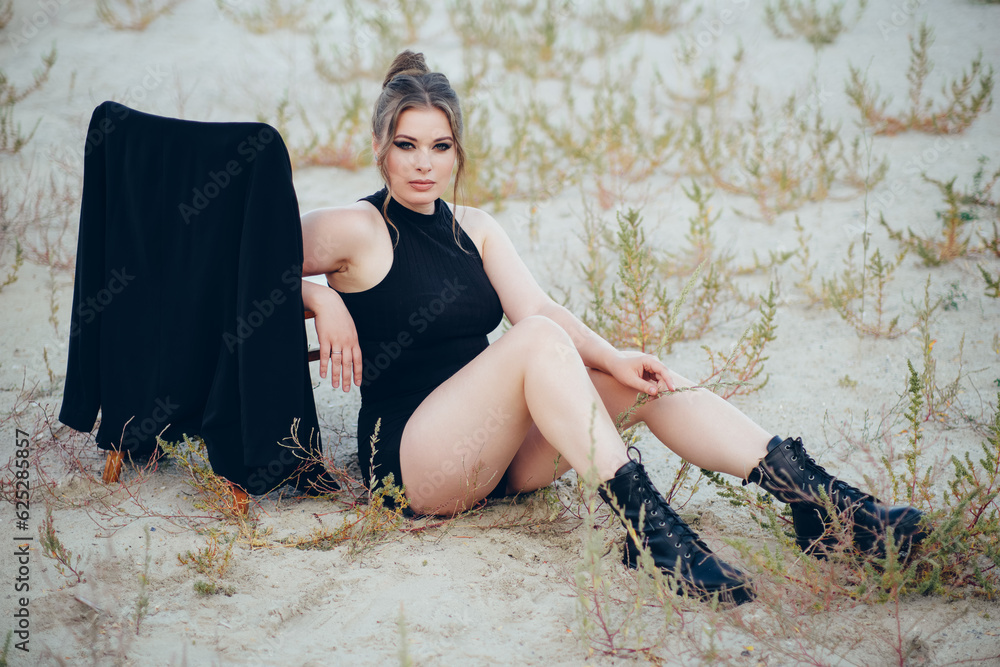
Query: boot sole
point(908, 535)
point(734, 596)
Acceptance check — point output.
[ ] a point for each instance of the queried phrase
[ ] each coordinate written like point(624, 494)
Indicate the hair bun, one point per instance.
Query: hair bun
point(406, 63)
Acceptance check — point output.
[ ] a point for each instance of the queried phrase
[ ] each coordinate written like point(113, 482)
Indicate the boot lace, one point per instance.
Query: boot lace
point(815, 470)
point(659, 515)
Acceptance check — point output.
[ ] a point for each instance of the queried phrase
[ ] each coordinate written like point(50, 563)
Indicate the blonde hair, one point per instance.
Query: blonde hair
point(409, 84)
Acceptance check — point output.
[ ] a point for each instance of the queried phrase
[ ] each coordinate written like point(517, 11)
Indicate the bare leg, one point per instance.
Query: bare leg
point(465, 434)
point(697, 425)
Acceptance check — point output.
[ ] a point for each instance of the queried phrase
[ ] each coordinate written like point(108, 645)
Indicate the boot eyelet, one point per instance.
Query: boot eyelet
point(687, 555)
point(670, 534)
point(795, 458)
point(801, 468)
point(654, 513)
point(677, 546)
point(662, 524)
point(812, 477)
point(635, 477)
point(788, 446)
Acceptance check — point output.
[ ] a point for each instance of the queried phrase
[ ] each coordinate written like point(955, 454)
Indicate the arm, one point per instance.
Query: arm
point(328, 237)
point(521, 296)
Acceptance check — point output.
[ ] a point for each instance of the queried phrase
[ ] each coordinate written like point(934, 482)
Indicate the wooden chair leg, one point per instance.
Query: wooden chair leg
point(113, 467)
point(240, 500)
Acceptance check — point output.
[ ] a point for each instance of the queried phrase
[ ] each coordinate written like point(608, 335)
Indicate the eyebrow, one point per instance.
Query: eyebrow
point(413, 139)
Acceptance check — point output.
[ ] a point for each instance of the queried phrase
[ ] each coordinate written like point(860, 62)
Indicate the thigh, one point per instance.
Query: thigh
point(460, 440)
point(537, 463)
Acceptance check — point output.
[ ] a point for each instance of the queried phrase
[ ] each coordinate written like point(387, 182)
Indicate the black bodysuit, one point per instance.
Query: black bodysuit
point(423, 322)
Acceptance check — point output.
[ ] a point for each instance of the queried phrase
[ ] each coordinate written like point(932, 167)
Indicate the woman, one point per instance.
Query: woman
point(417, 284)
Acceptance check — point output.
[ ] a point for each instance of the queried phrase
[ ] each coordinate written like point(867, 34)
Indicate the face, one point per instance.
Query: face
point(420, 161)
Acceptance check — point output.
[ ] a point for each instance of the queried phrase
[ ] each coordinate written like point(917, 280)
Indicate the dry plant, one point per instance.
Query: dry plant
point(413, 12)
point(528, 36)
point(346, 142)
point(12, 138)
point(739, 371)
point(6, 14)
point(365, 49)
point(961, 105)
point(213, 492)
point(621, 18)
point(53, 548)
point(213, 560)
point(859, 295)
point(133, 14)
point(963, 210)
point(992, 282)
point(780, 158)
point(618, 138)
point(377, 515)
point(820, 25)
point(273, 15)
point(708, 88)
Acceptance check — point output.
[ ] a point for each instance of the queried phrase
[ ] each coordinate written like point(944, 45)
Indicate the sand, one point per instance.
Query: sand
point(497, 586)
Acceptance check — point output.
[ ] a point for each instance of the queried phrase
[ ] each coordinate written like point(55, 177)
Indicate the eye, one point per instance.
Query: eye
point(443, 146)
point(405, 145)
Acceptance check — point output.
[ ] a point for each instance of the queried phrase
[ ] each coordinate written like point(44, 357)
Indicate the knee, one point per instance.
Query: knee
point(543, 336)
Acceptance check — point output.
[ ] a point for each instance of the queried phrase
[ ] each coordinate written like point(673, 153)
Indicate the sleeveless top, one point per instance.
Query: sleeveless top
point(429, 316)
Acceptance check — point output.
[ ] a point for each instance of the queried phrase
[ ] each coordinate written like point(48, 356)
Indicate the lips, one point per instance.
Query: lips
point(422, 185)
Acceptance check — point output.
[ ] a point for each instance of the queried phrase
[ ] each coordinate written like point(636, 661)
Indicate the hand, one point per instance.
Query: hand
point(642, 372)
point(338, 342)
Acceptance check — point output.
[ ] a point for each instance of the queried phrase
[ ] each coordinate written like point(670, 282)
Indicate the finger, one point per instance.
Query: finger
point(655, 368)
point(324, 359)
point(336, 360)
point(346, 364)
point(356, 354)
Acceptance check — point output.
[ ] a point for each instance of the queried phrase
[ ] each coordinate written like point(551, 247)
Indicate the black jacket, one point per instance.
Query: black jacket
point(187, 305)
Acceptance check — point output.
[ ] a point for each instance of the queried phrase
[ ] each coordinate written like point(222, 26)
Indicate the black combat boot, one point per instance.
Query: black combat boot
point(792, 476)
point(675, 548)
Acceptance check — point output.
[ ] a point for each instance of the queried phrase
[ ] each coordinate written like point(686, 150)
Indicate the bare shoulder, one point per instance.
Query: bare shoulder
point(334, 236)
point(478, 224)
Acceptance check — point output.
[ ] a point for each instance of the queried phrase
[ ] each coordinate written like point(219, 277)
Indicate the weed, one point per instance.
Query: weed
point(210, 560)
point(962, 210)
point(740, 370)
point(18, 262)
point(783, 158)
point(790, 18)
point(847, 382)
point(133, 14)
point(206, 588)
point(992, 283)
point(939, 401)
point(374, 39)
point(961, 104)
point(413, 12)
point(213, 492)
point(844, 292)
point(5, 651)
point(142, 601)
point(346, 143)
point(528, 37)
point(710, 87)
point(404, 643)
point(274, 15)
point(53, 547)
point(624, 17)
point(12, 139)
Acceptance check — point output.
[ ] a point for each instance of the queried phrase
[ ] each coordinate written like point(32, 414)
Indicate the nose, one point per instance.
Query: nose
point(422, 161)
